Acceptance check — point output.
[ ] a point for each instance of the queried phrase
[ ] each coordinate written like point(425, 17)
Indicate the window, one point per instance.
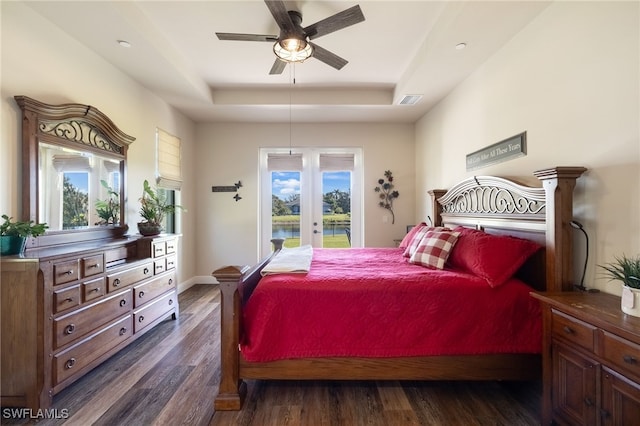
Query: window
point(169, 172)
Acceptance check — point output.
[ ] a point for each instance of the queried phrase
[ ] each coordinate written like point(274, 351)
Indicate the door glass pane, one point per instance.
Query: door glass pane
point(336, 209)
point(75, 199)
point(285, 207)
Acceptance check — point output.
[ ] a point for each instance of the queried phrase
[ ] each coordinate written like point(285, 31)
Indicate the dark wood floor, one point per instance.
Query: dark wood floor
point(170, 377)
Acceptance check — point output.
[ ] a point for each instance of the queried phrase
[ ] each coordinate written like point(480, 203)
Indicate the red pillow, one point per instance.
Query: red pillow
point(495, 258)
point(412, 232)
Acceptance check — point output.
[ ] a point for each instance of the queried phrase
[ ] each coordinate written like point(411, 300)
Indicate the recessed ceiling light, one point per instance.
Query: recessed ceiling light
point(124, 43)
point(461, 46)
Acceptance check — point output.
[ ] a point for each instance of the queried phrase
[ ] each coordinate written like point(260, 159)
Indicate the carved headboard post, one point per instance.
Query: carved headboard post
point(559, 183)
point(436, 207)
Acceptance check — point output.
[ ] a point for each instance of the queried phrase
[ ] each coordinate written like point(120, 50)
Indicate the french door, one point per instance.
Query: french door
point(311, 196)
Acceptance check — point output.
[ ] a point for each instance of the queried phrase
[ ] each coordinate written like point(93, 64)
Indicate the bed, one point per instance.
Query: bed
point(478, 206)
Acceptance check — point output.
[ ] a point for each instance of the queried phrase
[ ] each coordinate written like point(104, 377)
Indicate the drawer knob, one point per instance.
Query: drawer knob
point(170, 281)
point(170, 302)
point(146, 271)
point(568, 330)
point(70, 363)
point(93, 290)
point(123, 302)
point(141, 294)
point(70, 272)
point(629, 359)
point(69, 299)
point(123, 331)
point(141, 318)
point(116, 282)
point(588, 402)
point(95, 265)
point(69, 329)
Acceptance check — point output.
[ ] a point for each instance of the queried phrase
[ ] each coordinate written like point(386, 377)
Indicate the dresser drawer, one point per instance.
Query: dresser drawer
point(74, 325)
point(65, 272)
point(159, 249)
point(622, 353)
point(171, 262)
point(74, 359)
point(92, 265)
point(153, 311)
point(159, 266)
point(94, 288)
point(172, 246)
point(148, 291)
point(66, 298)
point(125, 278)
point(573, 330)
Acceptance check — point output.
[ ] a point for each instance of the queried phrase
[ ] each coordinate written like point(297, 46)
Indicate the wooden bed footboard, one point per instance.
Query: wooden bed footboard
point(542, 214)
point(236, 285)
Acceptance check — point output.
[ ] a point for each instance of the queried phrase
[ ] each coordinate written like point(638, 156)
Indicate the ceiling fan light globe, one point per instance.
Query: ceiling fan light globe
point(293, 44)
point(286, 55)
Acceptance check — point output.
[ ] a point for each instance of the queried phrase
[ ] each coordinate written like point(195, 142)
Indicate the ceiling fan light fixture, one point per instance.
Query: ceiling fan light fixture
point(293, 50)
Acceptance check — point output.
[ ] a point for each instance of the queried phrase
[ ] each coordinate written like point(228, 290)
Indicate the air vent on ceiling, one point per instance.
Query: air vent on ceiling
point(409, 99)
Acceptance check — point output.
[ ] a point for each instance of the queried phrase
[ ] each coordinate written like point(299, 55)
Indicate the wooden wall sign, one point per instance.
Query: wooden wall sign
point(508, 149)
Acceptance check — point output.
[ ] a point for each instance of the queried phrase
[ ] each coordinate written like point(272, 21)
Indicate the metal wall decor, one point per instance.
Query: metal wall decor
point(229, 188)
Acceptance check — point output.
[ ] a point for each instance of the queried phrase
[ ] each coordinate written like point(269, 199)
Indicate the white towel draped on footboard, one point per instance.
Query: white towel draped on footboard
point(288, 260)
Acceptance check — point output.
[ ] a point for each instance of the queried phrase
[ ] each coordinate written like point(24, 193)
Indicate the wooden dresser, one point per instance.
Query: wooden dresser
point(67, 309)
point(591, 360)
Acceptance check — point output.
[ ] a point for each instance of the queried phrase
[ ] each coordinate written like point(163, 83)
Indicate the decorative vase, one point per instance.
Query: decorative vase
point(10, 245)
point(148, 229)
point(630, 303)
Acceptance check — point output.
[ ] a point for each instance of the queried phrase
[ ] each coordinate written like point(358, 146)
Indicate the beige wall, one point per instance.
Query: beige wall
point(230, 152)
point(49, 66)
point(571, 80)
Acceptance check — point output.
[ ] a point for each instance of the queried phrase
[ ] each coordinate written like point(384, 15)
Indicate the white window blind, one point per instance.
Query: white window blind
point(169, 171)
point(284, 162)
point(336, 162)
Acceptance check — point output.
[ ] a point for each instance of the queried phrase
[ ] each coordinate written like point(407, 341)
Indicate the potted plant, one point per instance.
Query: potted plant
point(13, 235)
point(108, 210)
point(627, 270)
point(153, 209)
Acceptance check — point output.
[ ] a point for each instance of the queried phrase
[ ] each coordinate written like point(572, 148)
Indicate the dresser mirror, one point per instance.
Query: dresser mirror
point(74, 163)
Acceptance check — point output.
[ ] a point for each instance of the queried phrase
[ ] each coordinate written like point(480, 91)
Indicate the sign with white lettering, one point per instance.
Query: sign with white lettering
point(508, 149)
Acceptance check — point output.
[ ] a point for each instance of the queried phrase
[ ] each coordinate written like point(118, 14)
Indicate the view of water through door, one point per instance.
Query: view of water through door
point(311, 196)
point(334, 203)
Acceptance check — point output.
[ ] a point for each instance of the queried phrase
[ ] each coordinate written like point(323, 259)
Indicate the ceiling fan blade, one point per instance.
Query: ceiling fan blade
point(278, 67)
point(327, 57)
point(247, 37)
point(280, 14)
point(336, 22)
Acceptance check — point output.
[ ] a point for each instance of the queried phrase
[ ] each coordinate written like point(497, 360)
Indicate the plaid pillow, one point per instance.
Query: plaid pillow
point(417, 237)
point(434, 248)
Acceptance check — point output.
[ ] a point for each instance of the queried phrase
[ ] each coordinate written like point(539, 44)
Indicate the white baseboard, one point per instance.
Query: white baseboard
point(196, 280)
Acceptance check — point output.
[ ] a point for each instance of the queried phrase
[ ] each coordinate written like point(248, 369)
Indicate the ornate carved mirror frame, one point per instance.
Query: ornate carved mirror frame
point(89, 135)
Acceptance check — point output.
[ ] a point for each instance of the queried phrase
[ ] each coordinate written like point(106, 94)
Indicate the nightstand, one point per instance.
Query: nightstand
point(591, 360)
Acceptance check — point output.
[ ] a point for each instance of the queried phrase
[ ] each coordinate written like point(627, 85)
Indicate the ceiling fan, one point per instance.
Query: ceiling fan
point(293, 44)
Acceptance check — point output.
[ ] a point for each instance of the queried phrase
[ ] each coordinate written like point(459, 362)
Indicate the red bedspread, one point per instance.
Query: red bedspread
point(372, 303)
